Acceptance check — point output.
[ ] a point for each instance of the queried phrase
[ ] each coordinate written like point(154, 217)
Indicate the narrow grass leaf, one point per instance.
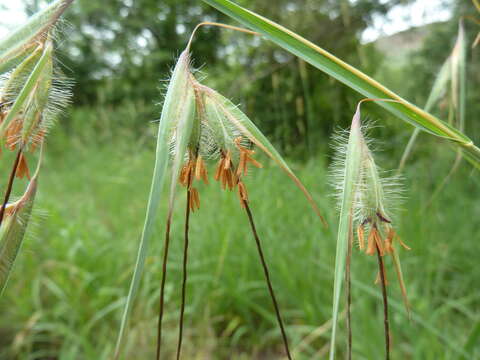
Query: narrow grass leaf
point(351, 171)
point(174, 99)
point(458, 99)
point(438, 90)
point(16, 46)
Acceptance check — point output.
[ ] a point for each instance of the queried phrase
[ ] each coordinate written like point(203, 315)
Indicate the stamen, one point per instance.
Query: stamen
point(254, 162)
point(227, 161)
point(223, 178)
point(378, 240)
point(183, 178)
point(242, 194)
point(229, 176)
point(371, 243)
point(200, 170)
point(242, 164)
point(402, 243)
point(361, 238)
point(389, 241)
point(12, 134)
point(22, 168)
point(245, 158)
point(194, 199)
point(186, 177)
point(218, 172)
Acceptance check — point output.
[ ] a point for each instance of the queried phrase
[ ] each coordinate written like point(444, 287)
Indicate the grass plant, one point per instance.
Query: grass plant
point(68, 297)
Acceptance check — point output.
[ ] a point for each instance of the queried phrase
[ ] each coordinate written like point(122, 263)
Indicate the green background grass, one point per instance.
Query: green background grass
point(65, 297)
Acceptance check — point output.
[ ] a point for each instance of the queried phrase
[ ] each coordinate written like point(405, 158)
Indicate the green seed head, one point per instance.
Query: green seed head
point(32, 95)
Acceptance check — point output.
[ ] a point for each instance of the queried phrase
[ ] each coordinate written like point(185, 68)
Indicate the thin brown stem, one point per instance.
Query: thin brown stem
point(184, 282)
point(267, 277)
point(162, 285)
point(8, 192)
point(381, 269)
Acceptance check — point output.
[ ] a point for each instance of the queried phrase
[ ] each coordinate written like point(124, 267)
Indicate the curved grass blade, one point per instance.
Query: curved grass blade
point(458, 100)
point(351, 170)
point(235, 116)
point(438, 90)
point(185, 119)
point(347, 74)
point(17, 45)
point(173, 100)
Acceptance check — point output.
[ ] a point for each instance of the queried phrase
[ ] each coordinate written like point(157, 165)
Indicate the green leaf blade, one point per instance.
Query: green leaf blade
point(174, 99)
point(350, 179)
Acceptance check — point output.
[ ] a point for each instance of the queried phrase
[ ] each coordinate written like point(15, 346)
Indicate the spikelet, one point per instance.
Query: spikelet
point(365, 195)
point(20, 43)
point(33, 94)
point(376, 194)
point(228, 135)
point(13, 229)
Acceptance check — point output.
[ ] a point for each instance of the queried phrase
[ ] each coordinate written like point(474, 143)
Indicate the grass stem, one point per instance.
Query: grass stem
point(10, 185)
point(267, 277)
point(184, 281)
point(381, 269)
point(162, 285)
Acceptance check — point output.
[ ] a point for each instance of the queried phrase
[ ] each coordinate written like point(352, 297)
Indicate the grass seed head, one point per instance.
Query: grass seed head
point(367, 195)
point(32, 95)
point(228, 135)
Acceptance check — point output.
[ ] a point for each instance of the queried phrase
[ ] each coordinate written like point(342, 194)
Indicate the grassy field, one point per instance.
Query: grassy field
point(65, 297)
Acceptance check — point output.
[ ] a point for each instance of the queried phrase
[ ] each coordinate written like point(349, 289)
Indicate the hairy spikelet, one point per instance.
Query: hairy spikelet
point(367, 197)
point(375, 188)
point(31, 97)
point(20, 43)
